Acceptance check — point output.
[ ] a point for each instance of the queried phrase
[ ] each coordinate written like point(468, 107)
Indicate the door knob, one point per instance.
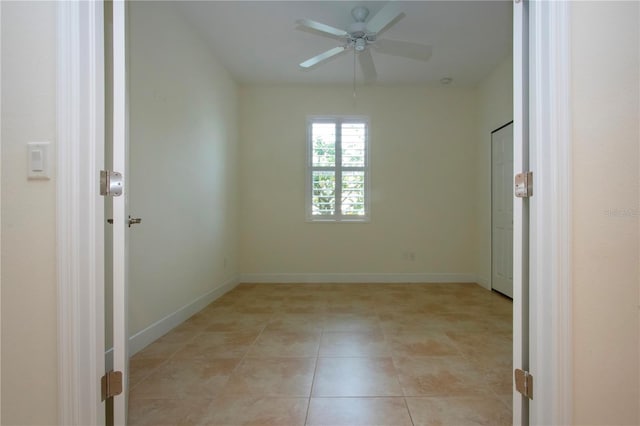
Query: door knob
point(134, 220)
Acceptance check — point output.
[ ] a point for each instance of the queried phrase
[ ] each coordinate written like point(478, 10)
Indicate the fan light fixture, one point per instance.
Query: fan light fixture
point(360, 13)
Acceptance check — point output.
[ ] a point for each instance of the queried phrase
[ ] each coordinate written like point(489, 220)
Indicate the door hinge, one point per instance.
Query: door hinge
point(111, 384)
point(524, 185)
point(524, 383)
point(110, 183)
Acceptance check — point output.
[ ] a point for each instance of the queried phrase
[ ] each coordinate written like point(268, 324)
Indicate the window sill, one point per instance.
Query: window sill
point(329, 220)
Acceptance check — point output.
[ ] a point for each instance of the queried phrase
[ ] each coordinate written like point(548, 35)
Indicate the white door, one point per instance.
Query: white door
point(520, 205)
point(502, 210)
point(120, 211)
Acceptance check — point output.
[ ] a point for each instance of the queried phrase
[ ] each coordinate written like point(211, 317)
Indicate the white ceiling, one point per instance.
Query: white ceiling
point(260, 42)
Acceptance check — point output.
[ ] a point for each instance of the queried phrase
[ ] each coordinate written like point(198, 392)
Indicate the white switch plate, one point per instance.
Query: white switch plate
point(38, 160)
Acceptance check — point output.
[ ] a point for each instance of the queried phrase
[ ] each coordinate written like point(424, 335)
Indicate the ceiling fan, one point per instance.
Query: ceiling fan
point(361, 36)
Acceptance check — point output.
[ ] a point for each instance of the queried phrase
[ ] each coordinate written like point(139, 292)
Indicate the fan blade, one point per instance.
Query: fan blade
point(322, 27)
point(384, 17)
point(368, 68)
point(421, 52)
point(322, 57)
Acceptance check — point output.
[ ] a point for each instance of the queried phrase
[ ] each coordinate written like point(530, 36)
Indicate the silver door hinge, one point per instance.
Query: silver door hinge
point(111, 384)
point(524, 185)
point(524, 383)
point(110, 183)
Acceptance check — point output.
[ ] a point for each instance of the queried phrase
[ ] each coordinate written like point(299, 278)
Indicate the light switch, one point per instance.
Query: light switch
point(37, 163)
point(38, 160)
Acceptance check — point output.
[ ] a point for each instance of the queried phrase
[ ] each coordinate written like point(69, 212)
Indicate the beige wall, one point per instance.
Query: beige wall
point(605, 102)
point(183, 131)
point(29, 332)
point(422, 182)
point(495, 109)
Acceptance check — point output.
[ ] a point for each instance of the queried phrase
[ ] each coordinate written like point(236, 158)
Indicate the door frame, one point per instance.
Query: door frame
point(80, 212)
point(551, 348)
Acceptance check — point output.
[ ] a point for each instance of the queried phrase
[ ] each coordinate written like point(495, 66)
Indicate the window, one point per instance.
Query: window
point(337, 172)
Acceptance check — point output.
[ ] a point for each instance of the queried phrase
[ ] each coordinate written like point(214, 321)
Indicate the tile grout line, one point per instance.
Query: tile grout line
point(163, 363)
point(246, 352)
point(406, 404)
point(315, 370)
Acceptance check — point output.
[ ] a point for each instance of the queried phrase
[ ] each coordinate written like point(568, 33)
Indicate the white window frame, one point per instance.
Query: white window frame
point(338, 168)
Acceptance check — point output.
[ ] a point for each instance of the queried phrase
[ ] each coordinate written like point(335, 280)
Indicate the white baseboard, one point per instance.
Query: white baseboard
point(143, 338)
point(358, 278)
point(484, 282)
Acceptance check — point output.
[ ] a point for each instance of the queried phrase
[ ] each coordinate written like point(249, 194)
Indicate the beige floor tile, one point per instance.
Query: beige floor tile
point(476, 344)
point(507, 400)
point(218, 307)
point(353, 344)
point(458, 411)
point(186, 379)
point(305, 296)
point(168, 344)
point(302, 307)
point(358, 412)
point(428, 343)
point(274, 344)
point(497, 370)
point(377, 342)
point(351, 322)
point(351, 308)
point(463, 321)
point(140, 368)
point(440, 376)
point(197, 322)
point(237, 321)
point(296, 322)
point(210, 345)
point(351, 304)
point(164, 412)
point(253, 411)
point(356, 377)
point(281, 377)
point(361, 296)
point(393, 323)
point(258, 307)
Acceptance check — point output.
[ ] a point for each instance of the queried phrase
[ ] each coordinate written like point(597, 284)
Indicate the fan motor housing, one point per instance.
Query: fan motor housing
point(357, 30)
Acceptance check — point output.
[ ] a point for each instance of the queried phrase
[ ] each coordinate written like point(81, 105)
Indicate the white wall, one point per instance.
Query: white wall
point(29, 332)
point(422, 184)
point(605, 101)
point(495, 109)
point(183, 134)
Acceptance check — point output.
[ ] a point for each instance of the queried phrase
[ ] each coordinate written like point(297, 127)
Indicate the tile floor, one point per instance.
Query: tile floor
point(331, 354)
